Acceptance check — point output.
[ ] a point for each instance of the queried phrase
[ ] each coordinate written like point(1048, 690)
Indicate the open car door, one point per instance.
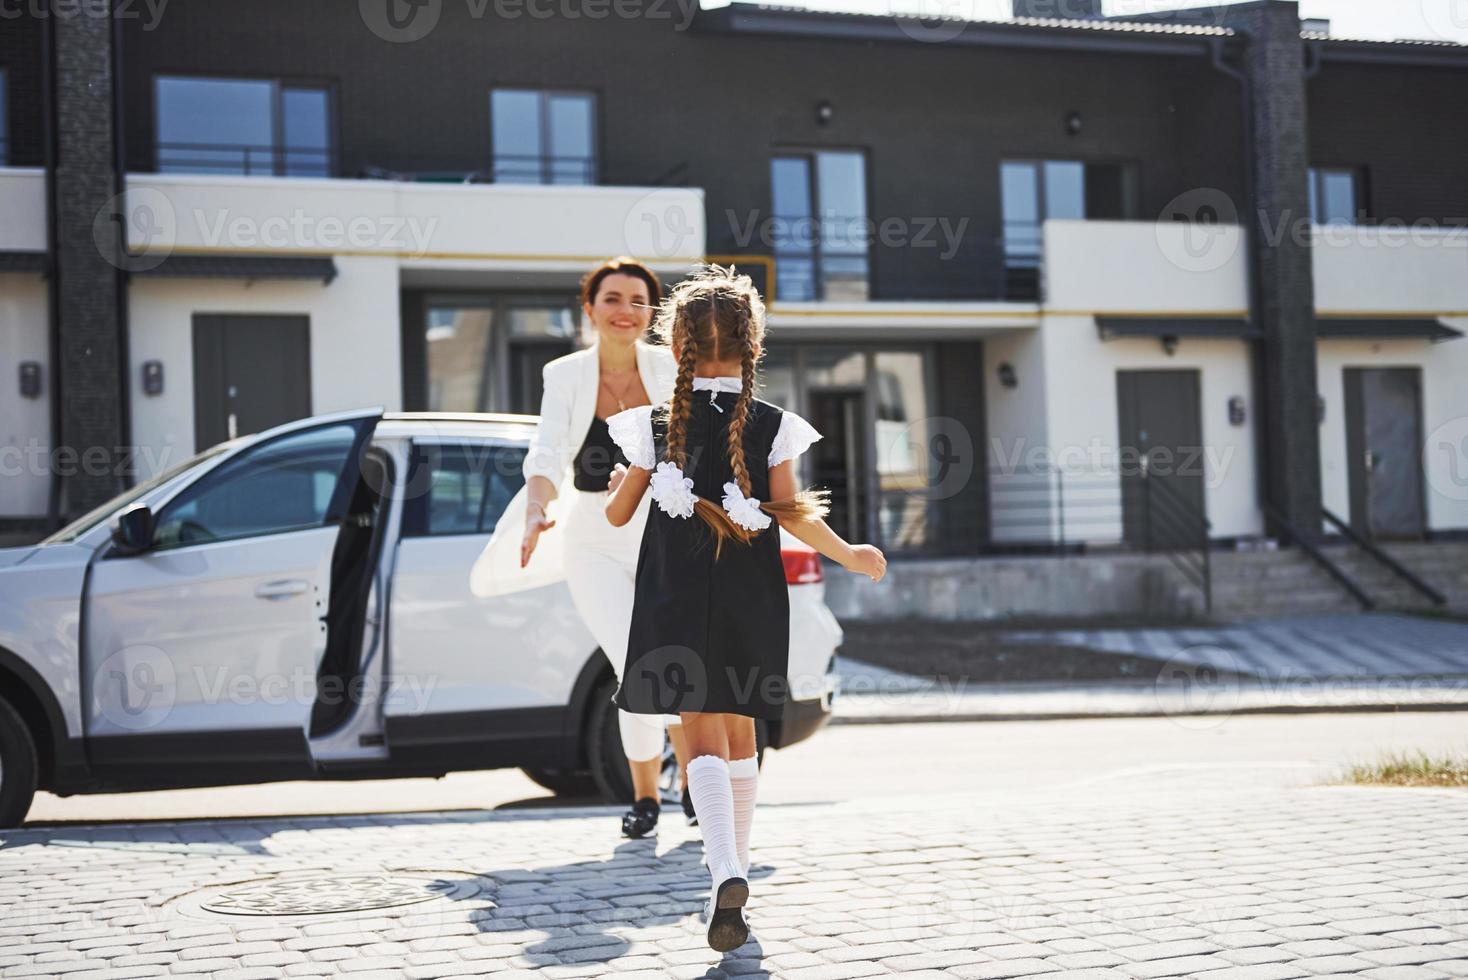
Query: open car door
point(201, 654)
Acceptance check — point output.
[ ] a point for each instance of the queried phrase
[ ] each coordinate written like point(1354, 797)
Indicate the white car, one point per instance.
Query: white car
point(296, 605)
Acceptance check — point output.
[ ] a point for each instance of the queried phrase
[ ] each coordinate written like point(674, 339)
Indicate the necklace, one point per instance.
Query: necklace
point(621, 399)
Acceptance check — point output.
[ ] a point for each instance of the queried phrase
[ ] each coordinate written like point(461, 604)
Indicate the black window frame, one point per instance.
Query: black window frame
point(1016, 287)
point(279, 85)
point(810, 154)
point(545, 160)
point(1316, 173)
point(4, 116)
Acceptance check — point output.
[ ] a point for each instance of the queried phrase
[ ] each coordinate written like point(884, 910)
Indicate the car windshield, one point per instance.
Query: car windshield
point(91, 519)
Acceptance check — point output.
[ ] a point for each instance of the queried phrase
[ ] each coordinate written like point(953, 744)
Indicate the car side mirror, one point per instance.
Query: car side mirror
point(132, 529)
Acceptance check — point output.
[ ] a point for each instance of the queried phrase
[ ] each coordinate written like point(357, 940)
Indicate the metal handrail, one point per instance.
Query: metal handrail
point(1190, 520)
point(1309, 547)
point(1391, 563)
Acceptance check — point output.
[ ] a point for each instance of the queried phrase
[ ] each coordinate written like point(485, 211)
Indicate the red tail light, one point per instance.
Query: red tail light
point(802, 566)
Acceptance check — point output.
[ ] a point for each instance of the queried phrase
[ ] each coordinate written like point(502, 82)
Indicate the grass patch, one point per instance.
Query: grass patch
point(1398, 769)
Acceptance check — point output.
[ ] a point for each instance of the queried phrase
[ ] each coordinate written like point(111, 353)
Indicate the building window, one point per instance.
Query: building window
point(243, 126)
point(485, 354)
point(1335, 195)
point(4, 119)
point(1035, 190)
point(543, 137)
point(820, 225)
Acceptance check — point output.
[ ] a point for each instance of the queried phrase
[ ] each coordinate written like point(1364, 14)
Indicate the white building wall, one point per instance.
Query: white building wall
point(25, 423)
point(495, 225)
point(356, 357)
point(1419, 273)
point(1444, 369)
point(1084, 425)
point(1144, 267)
point(1017, 437)
point(22, 209)
point(1166, 269)
point(1363, 270)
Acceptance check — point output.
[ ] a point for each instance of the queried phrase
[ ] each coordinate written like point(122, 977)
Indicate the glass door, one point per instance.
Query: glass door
point(485, 353)
point(873, 407)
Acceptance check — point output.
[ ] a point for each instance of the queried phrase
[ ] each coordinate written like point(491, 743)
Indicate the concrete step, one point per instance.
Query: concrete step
point(1288, 581)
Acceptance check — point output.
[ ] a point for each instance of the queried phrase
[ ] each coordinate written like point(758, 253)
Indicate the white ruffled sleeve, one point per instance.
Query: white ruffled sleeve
point(794, 437)
point(632, 432)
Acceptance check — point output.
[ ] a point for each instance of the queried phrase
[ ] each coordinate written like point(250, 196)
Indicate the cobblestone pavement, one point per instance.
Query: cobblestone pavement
point(1168, 875)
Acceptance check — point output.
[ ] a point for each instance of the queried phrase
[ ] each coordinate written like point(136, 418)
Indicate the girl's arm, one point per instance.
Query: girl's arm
point(627, 486)
point(862, 559)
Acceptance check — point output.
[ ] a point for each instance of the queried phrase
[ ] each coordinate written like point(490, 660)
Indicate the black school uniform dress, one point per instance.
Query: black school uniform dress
point(709, 633)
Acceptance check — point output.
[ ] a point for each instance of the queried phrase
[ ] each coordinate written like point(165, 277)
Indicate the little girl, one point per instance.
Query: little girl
point(710, 631)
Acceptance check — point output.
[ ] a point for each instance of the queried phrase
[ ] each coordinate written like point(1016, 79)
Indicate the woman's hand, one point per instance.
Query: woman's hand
point(866, 560)
point(619, 473)
point(535, 522)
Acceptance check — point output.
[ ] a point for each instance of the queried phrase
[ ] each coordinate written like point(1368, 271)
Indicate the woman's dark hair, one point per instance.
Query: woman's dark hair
point(622, 265)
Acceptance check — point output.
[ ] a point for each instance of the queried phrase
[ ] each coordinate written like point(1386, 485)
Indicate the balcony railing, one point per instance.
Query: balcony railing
point(525, 168)
point(244, 159)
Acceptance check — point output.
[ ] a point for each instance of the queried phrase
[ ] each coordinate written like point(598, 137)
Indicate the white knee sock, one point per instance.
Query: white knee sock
point(708, 784)
point(743, 784)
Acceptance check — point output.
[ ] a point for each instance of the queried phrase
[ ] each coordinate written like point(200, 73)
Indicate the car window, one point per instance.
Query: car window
point(92, 518)
point(286, 484)
point(460, 488)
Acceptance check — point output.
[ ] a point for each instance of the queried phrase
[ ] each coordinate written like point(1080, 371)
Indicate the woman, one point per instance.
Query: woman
point(572, 453)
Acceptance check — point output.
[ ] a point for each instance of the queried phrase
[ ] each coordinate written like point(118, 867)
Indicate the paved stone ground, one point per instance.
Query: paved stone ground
point(1169, 875)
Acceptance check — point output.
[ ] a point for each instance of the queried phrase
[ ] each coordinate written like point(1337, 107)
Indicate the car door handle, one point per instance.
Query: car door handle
point(282, 589)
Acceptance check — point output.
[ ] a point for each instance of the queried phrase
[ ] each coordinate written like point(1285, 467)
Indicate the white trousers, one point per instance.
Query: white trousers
point(601, 572)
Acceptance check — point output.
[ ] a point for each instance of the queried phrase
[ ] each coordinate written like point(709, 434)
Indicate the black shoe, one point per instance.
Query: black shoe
point(642, 819)
point(725, 910)
point(688, 812)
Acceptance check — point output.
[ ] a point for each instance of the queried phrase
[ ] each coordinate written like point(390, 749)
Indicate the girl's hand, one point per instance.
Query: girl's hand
point(619, 473)
point(535, 522)
point(866, 560)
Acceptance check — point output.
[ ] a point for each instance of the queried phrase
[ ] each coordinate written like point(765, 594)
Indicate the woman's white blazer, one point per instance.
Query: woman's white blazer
point(566, 410)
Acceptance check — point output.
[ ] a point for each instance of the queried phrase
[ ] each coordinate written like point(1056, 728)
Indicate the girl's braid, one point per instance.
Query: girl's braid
point(682, 407)
point(746, 396)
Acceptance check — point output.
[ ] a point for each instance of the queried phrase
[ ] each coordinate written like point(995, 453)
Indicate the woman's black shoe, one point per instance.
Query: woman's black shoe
point(642, 819)
point(688, 811)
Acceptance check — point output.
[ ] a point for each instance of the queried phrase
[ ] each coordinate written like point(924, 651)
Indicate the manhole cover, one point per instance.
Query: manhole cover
point(329, 894)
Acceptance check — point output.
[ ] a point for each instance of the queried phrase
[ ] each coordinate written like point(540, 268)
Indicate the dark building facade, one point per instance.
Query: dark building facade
point(961, 148)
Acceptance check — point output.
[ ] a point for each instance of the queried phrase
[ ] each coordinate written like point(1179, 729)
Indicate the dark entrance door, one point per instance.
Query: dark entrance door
point(839, 459)
point(1159, 423)
point(250, 373)
point(1383, 443)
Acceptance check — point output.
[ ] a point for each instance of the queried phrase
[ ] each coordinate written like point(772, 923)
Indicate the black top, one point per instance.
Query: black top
point(596, 458)
point(710, 634)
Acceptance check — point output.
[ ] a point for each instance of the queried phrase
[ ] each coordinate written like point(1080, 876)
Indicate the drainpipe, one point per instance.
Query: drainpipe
point(53, 287)
point(124, 278)
point(1256, 380)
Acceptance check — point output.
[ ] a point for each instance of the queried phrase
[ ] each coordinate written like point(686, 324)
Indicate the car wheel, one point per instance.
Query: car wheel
point(563, 782)
point(604, 755)
point(18, 767)
point(608, 761)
